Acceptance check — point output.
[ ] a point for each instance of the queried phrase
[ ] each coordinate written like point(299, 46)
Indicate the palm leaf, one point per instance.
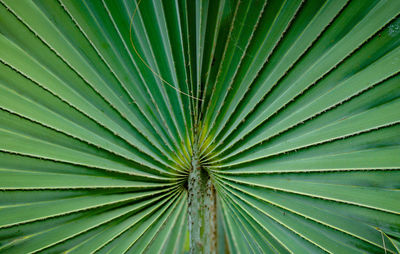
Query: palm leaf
point(119, 118)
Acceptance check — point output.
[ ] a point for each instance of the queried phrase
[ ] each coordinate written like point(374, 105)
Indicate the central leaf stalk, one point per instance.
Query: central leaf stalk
point(201, 209)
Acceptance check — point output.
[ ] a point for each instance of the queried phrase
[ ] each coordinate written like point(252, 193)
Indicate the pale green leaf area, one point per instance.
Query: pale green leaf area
point(199, 126)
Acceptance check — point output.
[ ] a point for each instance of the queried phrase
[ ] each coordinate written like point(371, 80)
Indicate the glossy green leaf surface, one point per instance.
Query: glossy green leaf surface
point(295, 106)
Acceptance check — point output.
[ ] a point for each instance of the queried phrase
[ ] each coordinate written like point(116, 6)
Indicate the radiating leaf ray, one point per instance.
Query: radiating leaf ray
point(97, 39)
point(75, 226)
point(15, 214)
point(344, 193)
point(113, 231)
point(150, 242)
point(288, 110)
point(238, 39)
point(126, 240)
point(288, 239)
point(259, 49)
point(289, 88)
point(58, 116)
point(317, 211)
